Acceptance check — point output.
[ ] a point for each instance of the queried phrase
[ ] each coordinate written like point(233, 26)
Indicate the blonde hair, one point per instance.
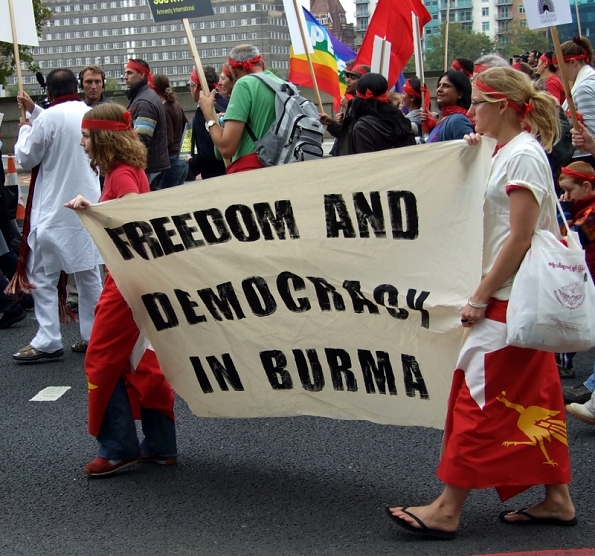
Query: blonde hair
point(109, 148)
point(516, 86)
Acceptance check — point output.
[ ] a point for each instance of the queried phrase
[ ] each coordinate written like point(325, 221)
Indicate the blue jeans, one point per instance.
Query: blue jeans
point(117, 435)
point(590, 382)
point(176, 174)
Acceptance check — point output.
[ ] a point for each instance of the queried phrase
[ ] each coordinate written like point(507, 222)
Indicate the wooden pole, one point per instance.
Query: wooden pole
point(564, 76)
point(419, 59)
point(17, 57)
point(296, 7)
point(446, 35)
point(201, 74)
point(578, 18)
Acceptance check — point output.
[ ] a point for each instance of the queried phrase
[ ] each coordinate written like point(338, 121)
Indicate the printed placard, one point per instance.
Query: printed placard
point(547, 13)
point(166, 10)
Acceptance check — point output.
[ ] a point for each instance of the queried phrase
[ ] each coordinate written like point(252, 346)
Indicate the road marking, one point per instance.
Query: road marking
point(50, 394)
point(559, 552)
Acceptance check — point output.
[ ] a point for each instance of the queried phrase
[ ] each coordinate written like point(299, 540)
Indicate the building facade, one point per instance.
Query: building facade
point(331, 14)
point(109, 33)
point(586, 14)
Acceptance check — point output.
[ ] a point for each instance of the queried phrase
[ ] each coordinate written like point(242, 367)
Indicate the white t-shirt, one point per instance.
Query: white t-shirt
point(520, 163)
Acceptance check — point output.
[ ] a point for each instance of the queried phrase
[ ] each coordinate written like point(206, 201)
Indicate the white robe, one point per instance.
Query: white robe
point(57, 234)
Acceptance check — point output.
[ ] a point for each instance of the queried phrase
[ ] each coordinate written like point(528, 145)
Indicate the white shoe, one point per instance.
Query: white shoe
point(581, 412)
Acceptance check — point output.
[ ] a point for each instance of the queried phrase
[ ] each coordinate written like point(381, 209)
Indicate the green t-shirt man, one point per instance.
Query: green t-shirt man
point(253, 103)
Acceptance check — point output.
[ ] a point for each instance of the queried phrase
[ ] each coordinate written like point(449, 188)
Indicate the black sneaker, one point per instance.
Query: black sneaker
point(8, 319)
point(576, 394)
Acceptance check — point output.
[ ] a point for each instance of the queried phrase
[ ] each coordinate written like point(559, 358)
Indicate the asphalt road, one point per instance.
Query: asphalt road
point(301, 486)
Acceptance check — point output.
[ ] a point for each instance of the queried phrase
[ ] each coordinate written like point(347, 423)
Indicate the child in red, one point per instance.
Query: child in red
point(577, 181)
point(123, 374)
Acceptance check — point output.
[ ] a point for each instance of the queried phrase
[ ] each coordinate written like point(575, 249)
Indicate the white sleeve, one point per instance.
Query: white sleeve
point(526, 170)
point(31, 145)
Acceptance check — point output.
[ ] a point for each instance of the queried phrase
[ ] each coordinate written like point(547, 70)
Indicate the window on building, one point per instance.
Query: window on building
point(116, 59)
point(485, 12)
point(213, 38)
point(67, 35)
point(213, 24)
point(233, 9)
point(56, 23)
point(485, 26)
point(104, 5)
point(57, 9)
point(164, 28)
point(233, 22)
point(215, 52)
point(173, 27)
point(224, 52)
point(222, 23)
point(244, 36)
point(203, 25)
point(165, 56)
point(243, 8)
point(254, 35)
point(87, 34)
point(95, 19)
point(155, 56)
point(87, 61)
point(75, 21)
point(96, 33)
point(223, 9)
point(105, 32)
point(252, 7)
point(66, 22)
point(521, 9)
point(203, 53)
point(184, 40)
point(253, 21)
point(66, 8)
point(223, 38)
point(234, 37)
point(153, 28)
point(78, 48)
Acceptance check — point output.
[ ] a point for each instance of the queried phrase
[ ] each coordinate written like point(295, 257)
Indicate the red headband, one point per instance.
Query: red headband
point(370, 96)
point(194, 77)
point(108, 125)
point(478, 68)
point(244, 66)
point(544, 58)
point(574, 174)
point(142, 70)
point(457, 66)
point(569, 57)
point(522, 110)
point(407, 88)
point(138, 67)
point(225, 71)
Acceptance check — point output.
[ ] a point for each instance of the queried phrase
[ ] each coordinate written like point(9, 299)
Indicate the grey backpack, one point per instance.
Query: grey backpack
point(296, 133)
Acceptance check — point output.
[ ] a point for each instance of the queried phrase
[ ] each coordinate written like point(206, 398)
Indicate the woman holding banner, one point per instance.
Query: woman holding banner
point(505, 425)
point(123, 373)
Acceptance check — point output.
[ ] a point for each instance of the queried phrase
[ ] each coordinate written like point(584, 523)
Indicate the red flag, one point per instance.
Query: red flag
point(392, 21)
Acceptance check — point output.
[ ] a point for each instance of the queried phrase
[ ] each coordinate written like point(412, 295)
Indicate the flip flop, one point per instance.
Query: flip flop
point(532, 520)
point(423, 530)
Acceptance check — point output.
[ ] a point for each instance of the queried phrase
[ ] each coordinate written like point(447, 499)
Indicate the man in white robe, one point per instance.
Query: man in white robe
point(57, 240)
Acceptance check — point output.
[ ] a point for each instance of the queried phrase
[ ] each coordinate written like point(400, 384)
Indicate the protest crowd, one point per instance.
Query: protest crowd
point(90, 150)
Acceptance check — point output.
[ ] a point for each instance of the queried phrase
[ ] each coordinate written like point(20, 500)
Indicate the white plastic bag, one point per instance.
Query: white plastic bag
point(552, 302)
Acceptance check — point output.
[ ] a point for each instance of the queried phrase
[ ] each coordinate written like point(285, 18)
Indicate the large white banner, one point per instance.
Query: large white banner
point(24, 21)
point(331, 287)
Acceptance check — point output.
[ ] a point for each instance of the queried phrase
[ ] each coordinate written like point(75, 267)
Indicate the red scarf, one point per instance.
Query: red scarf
point(449, 110)
point(20, 285)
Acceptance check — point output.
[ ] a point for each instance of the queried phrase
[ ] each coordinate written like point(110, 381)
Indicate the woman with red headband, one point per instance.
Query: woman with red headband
point(578, 56)
point(453, 96)
point(547, 73)
point(505, 426)
point(123, 374)
point(378, 124)
point(226, 82)
point(412, 100)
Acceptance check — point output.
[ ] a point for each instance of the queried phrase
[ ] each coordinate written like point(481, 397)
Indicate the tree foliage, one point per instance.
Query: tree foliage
point(7, 61)
point(519, 39)
point(462, 43)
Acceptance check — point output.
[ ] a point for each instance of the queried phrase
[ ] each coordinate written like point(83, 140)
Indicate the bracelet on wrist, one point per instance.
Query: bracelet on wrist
point(476, 305)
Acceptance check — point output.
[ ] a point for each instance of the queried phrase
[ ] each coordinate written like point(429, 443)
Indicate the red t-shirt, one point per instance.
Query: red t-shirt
point(554, 87)
point(124, 179)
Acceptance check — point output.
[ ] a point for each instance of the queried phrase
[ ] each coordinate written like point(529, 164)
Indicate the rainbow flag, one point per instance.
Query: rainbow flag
point(328, 59)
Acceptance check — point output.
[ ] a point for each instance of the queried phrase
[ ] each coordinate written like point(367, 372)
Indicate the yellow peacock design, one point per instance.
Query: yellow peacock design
point(538, 425)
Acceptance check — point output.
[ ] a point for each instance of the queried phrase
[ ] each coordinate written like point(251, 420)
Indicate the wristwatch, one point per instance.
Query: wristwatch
point(210, 124)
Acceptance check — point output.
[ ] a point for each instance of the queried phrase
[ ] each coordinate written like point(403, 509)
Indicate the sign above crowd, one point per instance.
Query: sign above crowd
point(332, 288)
point(166, 10)
point(547, 13)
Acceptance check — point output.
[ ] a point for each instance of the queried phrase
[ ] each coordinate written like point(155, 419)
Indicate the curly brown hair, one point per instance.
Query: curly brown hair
point(109, 148)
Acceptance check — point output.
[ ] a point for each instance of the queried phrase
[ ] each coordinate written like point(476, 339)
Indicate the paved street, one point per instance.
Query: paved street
point(303, 486)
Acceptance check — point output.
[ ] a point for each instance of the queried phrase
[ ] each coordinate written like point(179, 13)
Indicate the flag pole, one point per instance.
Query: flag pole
point(578, 18)
point(419, 60)
point(446, 35)
point(17, 57)
point(312, 74)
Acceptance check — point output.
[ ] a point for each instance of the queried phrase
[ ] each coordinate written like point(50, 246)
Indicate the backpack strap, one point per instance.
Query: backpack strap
point(274, 85)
